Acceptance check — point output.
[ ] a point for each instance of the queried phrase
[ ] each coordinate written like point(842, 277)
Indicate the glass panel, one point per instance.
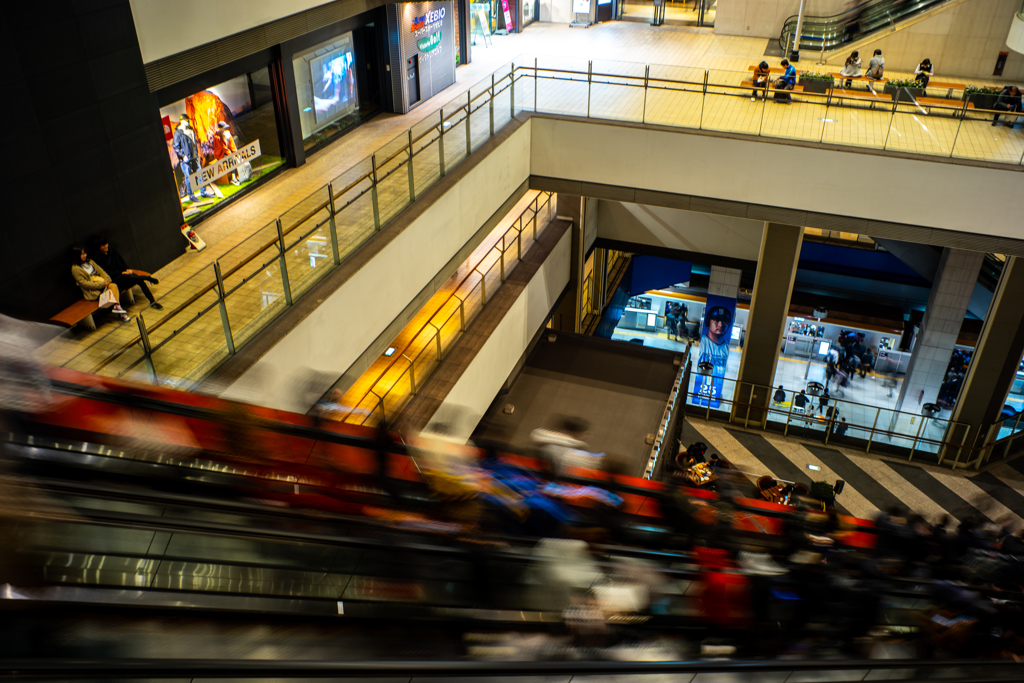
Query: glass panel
point(309, 254)
point(258, 300)
point(895, 429)
point(193, 353)
point(426, 163)
point(728, 107)
point(255, 245)
point(127, 363)
point(617, 92)
point(803, 119)
point(523, 87)
point(454, 135)
point(675, 96)
point(914, 131)
point(502, 98)
point(451, 328)
point(392, 178)
point(354, 218)
point(562, 86)
point(979, 139)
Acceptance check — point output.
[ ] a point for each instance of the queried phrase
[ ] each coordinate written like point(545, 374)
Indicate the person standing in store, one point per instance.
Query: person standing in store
point(186, 148)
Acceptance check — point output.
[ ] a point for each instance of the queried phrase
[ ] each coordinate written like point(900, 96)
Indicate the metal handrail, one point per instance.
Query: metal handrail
point(398, 355)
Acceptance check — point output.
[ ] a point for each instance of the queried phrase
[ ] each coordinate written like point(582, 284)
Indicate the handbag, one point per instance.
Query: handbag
point(107, 299)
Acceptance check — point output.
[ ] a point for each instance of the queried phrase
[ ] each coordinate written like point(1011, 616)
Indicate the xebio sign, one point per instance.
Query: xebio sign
point(430, 17)
point(222, 167)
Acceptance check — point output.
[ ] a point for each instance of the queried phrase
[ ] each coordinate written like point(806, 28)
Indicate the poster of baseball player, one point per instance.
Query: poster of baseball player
point(716, 331)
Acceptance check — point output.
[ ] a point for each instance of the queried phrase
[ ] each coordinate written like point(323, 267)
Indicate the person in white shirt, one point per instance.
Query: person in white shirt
point(852, 68)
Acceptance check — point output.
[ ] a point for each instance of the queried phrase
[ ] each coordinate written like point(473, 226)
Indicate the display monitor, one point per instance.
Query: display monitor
point(334, 83)
point(823, 348)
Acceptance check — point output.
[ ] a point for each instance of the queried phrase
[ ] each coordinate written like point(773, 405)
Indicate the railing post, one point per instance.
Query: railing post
point(535, 107)
point(222, 305)
point(333, 226)
point(789, 415)
point(469, 132)
point(871, 436)
point(501, 258)
point(440, 145)
point(412, 182)
point(512, 91)
point(373, 194)
point(519, 240)
point(437, 336)
point(284, 265)
point(412, 373)
point(491, 108)
point(483, 289)
point(462, 316)
point(147, 348)
point(647, 78)
point(590, 78)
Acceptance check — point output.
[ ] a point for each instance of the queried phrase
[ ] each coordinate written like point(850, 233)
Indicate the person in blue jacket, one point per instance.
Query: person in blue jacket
point(787, 81)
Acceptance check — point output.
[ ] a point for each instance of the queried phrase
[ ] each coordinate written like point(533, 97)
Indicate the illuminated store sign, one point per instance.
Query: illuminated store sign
point(429, 43)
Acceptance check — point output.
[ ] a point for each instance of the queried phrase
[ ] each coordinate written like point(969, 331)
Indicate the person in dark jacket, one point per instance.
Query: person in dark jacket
point(186, 147)
point(111, 261)
point(1008, 101)
point(761, 75)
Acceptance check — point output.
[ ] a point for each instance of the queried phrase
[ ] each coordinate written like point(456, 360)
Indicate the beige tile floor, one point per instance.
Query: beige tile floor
point(193, 335)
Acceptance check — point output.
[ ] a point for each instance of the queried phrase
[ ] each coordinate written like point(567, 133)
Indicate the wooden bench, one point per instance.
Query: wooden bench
point(842, 79)
point(865, 96)
point(952, 105)
point(771, 86)
point(950, 87)
point(80, 311)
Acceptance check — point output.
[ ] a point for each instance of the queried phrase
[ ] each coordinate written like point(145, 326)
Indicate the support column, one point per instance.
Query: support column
point(724, 282)
point(766, 323)
point(566, 316)
point(996, 357)
point(947, 305)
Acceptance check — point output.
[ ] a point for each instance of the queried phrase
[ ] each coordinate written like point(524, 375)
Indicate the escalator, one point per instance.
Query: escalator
point(863, 21)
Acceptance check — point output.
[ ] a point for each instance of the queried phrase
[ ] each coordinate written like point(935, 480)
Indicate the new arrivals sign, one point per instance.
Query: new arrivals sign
point(431, 42)
point(225, 165)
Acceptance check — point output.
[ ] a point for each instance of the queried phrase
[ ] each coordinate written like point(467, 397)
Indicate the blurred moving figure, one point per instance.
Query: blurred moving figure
point(564, 447)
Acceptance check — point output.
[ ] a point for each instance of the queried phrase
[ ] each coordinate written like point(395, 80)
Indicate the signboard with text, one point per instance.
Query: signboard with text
point(581, 7)
point(223, 166)
point(508, 16)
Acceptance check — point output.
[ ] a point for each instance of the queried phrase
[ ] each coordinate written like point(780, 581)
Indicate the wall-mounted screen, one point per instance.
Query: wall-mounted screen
point(334, 83)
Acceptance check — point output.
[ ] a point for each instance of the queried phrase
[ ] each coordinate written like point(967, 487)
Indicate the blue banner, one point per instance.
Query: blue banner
point(715, 334)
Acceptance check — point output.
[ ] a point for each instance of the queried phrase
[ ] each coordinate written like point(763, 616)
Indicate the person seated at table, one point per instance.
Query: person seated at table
point(923, 72)
point(780, 394)
point(93, 280)
point(840, 427)
point(113, 263)
point(1009, 100)
point(714, 462)
point(761, 75)
point(787, 81)
point(800, 402)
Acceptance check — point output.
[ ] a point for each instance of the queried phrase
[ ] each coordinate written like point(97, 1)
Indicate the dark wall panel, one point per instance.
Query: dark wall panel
point(88, 157)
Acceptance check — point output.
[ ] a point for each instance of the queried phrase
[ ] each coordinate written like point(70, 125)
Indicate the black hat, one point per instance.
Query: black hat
point(720, 313)
point(184, 117)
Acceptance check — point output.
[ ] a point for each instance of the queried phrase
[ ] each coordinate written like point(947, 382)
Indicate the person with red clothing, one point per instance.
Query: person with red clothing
point(223, 145)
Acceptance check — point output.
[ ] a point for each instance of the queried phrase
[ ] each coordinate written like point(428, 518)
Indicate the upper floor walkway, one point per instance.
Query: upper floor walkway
point(269, 248)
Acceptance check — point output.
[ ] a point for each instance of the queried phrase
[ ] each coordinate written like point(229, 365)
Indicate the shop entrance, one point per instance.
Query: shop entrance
point(412, 79)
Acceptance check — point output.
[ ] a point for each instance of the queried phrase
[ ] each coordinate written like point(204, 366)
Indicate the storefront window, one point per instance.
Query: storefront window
point(222, 140)
point(327, 89)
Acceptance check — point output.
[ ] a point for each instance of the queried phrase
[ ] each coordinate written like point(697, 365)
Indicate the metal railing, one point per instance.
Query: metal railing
point(412, 365)
point(228, 302)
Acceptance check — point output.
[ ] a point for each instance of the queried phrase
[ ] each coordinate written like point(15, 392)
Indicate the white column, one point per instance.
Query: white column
point(724, 282)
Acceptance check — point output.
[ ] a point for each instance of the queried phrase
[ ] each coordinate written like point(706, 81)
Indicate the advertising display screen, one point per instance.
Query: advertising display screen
point(334, 83)
point(716, 331)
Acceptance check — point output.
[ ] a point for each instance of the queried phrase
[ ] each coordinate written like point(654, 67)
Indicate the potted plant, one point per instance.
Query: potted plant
point(816, 82)
point(982, 96)
point(903, 90)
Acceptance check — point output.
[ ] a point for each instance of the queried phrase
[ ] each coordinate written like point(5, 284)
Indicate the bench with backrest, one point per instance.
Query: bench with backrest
point(82, 310)
point(842, 79)
point(840, 94)
point(771, 86)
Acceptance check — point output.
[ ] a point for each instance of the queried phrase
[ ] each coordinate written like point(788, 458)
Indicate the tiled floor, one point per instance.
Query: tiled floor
point(872, 483)
point(241, 236)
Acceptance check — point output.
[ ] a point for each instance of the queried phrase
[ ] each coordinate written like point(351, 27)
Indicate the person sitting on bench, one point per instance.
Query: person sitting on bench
point(93, 281)
point(923, 72)
point(1009, 100)
point(761, 75)
point(111, 261)
point(786, 82)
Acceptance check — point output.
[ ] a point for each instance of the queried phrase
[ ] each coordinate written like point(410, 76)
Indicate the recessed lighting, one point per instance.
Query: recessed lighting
point(828, 120)
point(813, 468)
point(307, 109)
point(390, 351)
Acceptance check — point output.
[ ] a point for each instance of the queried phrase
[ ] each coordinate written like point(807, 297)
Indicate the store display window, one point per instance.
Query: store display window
point(327, 89)
point(222, 140)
